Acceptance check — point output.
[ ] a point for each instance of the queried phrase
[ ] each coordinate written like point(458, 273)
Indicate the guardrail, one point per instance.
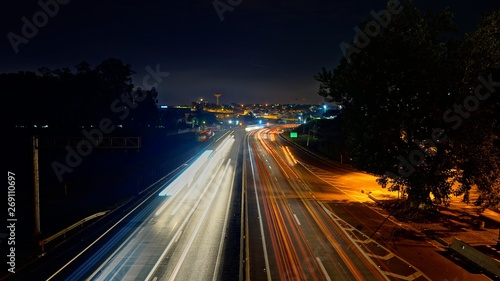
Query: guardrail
point(63, 232)
point(475, 256)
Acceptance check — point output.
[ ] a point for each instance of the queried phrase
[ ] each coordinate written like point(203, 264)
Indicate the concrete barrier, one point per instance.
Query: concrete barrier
point(485, 262)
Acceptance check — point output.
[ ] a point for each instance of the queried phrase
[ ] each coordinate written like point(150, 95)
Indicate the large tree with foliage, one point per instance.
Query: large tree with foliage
point(395, 94)
point(477, 136)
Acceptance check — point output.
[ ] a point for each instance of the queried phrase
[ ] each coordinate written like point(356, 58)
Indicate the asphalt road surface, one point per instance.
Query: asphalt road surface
point(294, 236)
point(178, 234)
point(305, 219)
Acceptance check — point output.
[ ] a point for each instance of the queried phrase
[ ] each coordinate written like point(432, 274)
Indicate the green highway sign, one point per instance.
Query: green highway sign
point(293, 134)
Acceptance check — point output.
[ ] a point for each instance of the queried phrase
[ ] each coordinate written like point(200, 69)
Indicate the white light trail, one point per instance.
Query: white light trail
point(186, 176)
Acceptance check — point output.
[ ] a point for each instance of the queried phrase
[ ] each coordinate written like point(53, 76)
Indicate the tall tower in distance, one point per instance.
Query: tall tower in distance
point(217, 97)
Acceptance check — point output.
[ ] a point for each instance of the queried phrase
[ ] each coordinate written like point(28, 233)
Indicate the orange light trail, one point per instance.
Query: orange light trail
point(292, 251)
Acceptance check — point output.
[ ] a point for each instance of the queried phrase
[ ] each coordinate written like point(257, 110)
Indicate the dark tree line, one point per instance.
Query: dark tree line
point(66, 99)
point(422, 109)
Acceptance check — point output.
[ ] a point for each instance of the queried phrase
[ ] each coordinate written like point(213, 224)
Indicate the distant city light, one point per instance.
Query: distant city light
point(253, 127)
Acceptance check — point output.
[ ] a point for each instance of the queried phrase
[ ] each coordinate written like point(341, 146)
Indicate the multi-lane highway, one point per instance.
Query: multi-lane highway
point(292, 232)
point(291, 228)
point(177, 234)
point(292, 235)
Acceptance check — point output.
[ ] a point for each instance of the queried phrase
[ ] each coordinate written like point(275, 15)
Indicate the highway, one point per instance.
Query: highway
point(292, 225)
point(178, 234)
point(293, 235)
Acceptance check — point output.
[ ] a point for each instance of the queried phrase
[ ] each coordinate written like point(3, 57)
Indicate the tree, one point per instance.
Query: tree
point(114, 80)
point(479, 164)
point(64, 99)
point(394, 93)
point(146, 111)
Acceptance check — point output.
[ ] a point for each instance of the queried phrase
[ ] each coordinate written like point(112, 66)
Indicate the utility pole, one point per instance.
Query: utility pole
point(309, 132)
point(36, 187)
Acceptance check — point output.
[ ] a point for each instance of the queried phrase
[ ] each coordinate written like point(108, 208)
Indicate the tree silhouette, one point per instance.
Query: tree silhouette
point(395, 93)
point(64, 99)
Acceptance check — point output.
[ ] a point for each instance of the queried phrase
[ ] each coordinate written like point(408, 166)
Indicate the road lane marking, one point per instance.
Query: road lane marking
point(122, 264)
point(355, 197)
point(370, 256)
point(123, 246)
point(184, 222)
point(98, 238)
point(323, 269)
point(114, 225)
point(224, 227)
point(297, 219)
point(198, 226)
point(341, 267)
point(182, 201)
point(402, 277)
point(264, 245)
point(178, 236)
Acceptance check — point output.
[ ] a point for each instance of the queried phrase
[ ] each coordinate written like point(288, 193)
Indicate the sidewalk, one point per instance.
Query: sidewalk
point(458, 220)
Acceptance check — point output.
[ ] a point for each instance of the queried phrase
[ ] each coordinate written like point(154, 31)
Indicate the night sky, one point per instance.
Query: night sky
point(261, 52)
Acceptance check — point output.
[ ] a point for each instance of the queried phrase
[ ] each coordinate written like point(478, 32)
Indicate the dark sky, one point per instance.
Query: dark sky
point(262, 52)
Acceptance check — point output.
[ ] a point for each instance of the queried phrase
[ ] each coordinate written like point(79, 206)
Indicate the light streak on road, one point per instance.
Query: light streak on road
point(277, 157)
point(288, 158)
point(165, 238)
point(186, 176)
point(263, 237)
point(272, 137)
point(286, 239)
point(305, 243)
point(193, 235)
point(291, 155)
